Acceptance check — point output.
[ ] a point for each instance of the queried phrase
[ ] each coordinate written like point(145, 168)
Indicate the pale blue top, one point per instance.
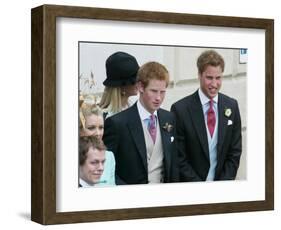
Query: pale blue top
point(212, 141)
point(108, 176)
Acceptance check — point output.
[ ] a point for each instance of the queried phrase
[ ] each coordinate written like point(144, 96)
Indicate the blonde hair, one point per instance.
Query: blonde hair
point(111, 99)
point(88, 110)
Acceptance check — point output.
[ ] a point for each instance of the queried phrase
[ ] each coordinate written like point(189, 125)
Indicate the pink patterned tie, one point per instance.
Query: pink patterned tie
point(211, 118)
point(152, 127)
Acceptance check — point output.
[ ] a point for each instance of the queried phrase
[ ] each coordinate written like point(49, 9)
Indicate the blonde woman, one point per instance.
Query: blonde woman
point(120, 84)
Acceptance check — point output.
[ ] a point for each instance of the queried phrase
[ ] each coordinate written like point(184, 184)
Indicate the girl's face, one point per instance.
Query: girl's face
point(94, 126)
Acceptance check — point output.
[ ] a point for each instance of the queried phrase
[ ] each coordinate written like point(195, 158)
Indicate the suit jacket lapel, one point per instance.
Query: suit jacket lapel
point(166, 138)
point(135, 127)
point(222, 126)
point(199, 122)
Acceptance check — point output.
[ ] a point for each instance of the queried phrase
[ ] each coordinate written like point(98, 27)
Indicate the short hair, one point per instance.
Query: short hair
point(209, 57)
point(152, 70)
point(85, 143)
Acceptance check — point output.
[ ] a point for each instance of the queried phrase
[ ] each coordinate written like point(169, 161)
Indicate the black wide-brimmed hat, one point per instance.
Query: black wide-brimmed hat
point(121, 69)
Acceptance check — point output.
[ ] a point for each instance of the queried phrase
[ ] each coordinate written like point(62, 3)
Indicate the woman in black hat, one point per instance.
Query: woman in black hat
point(120, 84)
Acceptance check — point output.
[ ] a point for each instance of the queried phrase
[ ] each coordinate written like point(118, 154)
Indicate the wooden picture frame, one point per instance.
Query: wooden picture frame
point(43, 188)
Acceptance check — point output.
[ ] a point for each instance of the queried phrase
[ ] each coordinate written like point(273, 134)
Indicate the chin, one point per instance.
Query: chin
point(96, 181)
point(212, 95)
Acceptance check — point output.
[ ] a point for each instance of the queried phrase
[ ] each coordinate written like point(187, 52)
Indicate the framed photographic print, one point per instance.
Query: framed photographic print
point(70, 46)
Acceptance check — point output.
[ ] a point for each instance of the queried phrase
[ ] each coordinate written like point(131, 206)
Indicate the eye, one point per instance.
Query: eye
point(92, 128)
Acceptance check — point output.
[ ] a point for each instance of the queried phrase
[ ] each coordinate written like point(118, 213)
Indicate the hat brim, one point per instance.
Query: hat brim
point(120, 82)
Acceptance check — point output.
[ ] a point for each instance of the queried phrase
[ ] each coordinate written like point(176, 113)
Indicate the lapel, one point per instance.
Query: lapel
point(135, 127)
point(222, 126)
point(166, 137)
point(197, 117)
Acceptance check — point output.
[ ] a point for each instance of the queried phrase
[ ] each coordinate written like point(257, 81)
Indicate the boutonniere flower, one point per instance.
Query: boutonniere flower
point(168, 127)
point(227, 112)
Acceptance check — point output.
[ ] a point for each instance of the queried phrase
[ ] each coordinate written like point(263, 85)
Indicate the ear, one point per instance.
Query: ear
point(140, 87)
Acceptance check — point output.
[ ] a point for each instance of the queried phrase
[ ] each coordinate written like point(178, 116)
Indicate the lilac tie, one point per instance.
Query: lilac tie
point(211, 118)
point(152, 127)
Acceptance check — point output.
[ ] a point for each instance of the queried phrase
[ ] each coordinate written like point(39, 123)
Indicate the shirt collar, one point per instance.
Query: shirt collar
point(84, 183)
point(144, 114)
point(204, 99)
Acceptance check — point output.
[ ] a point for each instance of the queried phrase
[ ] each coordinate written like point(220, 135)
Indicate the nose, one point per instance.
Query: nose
point(214, 83)
point(98, 133)
point(101, 166)
point(158, 96)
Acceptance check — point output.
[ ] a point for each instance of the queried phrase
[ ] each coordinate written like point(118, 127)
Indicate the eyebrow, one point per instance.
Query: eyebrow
point(94, 126)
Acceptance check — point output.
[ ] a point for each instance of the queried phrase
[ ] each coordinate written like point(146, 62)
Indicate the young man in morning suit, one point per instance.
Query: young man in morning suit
point(142, 136)
point(208, 126)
